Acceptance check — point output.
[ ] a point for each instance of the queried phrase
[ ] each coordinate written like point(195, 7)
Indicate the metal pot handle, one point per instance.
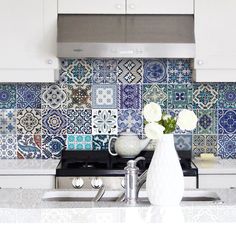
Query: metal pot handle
point(109, 147)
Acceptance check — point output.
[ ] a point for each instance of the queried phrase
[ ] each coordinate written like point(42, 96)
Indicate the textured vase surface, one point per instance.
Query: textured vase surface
point(165, 181)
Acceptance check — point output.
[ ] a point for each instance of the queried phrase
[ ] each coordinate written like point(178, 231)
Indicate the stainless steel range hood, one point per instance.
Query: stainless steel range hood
point(110, 36)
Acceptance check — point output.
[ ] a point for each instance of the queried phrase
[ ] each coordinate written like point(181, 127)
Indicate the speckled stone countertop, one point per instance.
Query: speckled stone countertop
point(28, 206)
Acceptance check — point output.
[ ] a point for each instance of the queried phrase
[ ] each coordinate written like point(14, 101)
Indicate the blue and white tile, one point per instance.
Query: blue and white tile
point(7, 146)
point(7, 121)
point(130, 119)
point(227, 121)
point(54, 122)
point(79, 142)
point(28, 96)
point(104, 121)
point(183, 142)
point(205, 96)
point(104, 71)
point(29, 146)
point(7, 96)
point(227, 96)
point(179, 71)
point(100, 142)
point(130, 71)
point(155, 71)
point(227, 146)
point(104, 96)
point(79, 121)
point(52, 146)
point(130, 96)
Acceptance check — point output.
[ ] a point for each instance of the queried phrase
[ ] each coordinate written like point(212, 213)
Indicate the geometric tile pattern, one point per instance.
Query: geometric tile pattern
point(227, 146)
point(7, 121)
point(227, 95)
point(7, 96)
point(79, 142)
point(100, 142)
point(7, 146)
point(227, 121)
point(183, 142)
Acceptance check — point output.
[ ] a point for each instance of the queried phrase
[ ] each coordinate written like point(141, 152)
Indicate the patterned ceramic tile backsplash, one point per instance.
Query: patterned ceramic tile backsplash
point(100, 98)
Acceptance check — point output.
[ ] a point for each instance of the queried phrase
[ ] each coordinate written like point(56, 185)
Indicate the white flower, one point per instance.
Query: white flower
point(152, 112)
point(166, 117)
point(154, 130)
point(187, 120)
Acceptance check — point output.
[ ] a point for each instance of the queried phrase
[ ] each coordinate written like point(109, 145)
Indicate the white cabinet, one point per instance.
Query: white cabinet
point(28, 42)
point(27, 181)
point(91, 7)
point(215, 35)
point(160, 6)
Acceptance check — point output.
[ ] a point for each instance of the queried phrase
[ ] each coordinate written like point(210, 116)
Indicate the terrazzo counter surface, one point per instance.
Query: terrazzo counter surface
point(28, 167)
point(28, 206)
point(218, 166)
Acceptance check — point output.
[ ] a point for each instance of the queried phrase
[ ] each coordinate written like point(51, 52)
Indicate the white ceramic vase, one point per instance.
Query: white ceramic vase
point(165, 181)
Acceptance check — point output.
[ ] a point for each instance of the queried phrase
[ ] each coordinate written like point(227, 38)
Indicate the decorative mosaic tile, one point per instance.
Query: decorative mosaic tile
point(52, 146)
point(130, 119)
point(28, 96)
point(29, 146)
point(227, 146)
point(183, 142)
point(7, 96)
point(79, 96)
point(207, 122)
point(205, 96)
point(104, 121)
point(227, 95)
point(79, 142)
point(227, 121)
point(7, 121)
point(155, 93)
point(54, 96)
point(104, 71)
point(155, 71)
point(204, 144)
point(79, 121)
point(179, 71)
point(100, 142)
point(104, 96)
point(7, 146)
point(76, 71)
point(180, 96)
point(29, 121)
point(129, 97)
point(54, 122)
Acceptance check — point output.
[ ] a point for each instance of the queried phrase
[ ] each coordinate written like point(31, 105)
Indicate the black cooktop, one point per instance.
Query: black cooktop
point(101, 163)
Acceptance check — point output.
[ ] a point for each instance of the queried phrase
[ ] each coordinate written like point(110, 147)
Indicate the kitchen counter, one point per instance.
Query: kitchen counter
point(28, 167)
point(27, 206)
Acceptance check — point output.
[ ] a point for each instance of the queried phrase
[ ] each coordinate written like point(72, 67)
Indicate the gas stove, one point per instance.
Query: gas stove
point(89, 169)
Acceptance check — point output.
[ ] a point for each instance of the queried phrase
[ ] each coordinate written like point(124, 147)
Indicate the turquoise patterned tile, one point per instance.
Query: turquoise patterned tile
point(79, 142)
point(7, 96)
point(227, 96)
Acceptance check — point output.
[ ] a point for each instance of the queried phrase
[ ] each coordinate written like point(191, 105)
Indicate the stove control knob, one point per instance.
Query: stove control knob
point(77, 183)
point(96, 183)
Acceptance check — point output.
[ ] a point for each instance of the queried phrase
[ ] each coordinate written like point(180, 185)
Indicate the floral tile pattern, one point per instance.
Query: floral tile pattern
point(54, 96)
point(207, 122)
point(79, 96)
point(155, 93)
point(104, 96)
point(227, 121)
point(54, 122)
point(180, 96)
point(104, 71)
point(129, 96)
point(7, 146)
point(7, 96)
point(155, 71)
point(130, 71)
point(130, 119)
point(227, 95)
point(104, 121)
point(183, 142)
point(76, 71)
point(100, 142)
point(7, 121)
point(52, 146)
point(29, 146)
point(205, 96)
point(79, 121)
point(28, 96)
point(79, 142)
point(29, 121)
point(179, 71)
point(227, 146)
